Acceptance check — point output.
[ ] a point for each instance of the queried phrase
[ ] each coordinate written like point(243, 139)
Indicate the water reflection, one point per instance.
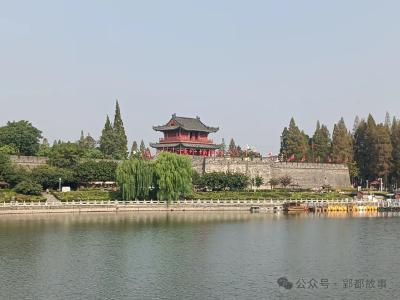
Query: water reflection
point(194, 255)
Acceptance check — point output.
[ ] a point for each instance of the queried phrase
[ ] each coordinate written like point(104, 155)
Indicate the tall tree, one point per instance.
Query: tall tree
point(361, 149)
point(321, 143)
point(294, 143)
point(388, 121)
point(107, 139)
point(342, 146)
point(232, 145)
point(142, 147)
point(120, 139)
point(383, 151)
point(395, 137)
point(134, 149)
point(22, 135)
point(356, 124)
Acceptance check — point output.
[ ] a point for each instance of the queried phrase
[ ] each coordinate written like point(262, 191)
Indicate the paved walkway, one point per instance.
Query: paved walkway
point(51, 200)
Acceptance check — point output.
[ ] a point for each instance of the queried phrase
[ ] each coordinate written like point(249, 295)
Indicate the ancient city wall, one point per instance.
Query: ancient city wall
point(28, 161)
point(306, 175)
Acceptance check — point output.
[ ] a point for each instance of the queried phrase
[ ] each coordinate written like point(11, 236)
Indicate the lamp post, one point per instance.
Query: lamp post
point(381, 185)
point(59, 184)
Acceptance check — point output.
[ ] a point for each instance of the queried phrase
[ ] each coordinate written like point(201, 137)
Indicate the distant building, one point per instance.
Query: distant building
point(184, 135)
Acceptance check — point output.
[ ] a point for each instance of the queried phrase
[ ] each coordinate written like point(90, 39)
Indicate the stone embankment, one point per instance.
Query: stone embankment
point(137, 206)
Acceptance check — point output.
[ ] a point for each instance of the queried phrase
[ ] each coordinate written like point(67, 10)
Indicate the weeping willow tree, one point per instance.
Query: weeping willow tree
point(135, 179)
point(173, 176)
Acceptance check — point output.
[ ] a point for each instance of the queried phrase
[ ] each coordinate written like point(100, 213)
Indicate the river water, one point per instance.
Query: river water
point(196, 255)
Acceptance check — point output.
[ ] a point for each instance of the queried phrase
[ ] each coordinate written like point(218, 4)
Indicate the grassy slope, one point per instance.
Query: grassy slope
point(6, 195)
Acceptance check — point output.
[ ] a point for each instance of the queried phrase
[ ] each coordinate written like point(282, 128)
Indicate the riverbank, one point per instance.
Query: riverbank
point(136, 206)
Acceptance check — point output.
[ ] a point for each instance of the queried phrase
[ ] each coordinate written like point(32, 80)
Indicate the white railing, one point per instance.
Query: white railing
point(236, 202)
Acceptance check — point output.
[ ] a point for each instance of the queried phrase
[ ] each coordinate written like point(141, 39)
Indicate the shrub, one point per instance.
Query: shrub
point(28, 188)
point(219, 181)
point(49, 176)
point(95, 171)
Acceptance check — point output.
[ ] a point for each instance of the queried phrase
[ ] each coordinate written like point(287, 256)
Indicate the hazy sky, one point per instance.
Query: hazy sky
point(245, 66)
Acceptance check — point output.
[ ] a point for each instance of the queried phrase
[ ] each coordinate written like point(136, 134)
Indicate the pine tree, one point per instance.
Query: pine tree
point(395, 138)
point(232, 146)
point(356, 124)
point(342, 146)
point(107, 139)
point(361, 149)
point(383, 151)
point(321, 143)
point(387, 120)
point(134, 149)
point(120, 139)
point(142, 147)
point(294, 143)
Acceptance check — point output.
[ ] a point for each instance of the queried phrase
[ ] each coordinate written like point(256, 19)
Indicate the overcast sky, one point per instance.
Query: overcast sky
point(245, 66)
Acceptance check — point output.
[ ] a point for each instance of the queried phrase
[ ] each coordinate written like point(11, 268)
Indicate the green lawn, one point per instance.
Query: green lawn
point(87, 195)
point(6, 196)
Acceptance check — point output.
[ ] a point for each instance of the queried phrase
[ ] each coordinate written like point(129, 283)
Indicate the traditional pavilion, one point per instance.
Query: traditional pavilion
point(186, 136)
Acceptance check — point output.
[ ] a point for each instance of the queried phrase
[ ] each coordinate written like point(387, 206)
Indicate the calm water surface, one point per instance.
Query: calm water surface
point(199, 255)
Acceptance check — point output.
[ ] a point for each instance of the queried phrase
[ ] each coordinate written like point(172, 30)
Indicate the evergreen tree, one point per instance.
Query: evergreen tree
point(361, 149)
point(387, 120)
point(321, 143)
point(134, 149)
point(107, 139)
point(395, 138)
point(142, 147)
point(356, 124)
point(294, 143)
point(232, 146)
point(342, 146)
point(120, 140)
point(383, 151)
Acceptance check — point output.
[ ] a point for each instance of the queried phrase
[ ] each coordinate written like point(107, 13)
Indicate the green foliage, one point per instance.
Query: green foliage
point(65, 155)
point(135, 178)
point(5, 167)
point(92, 154)
point(258, 181)
point(8, 149)
point(113, 140)
point(107, 139)
point(134, 149)
point(279, 194)
point(90, 171)
point(219, 181)
point(87, 195)
point(44, 148)
point(173, 176)
point(48, 177)
point(8, 195)
point(294, 143)
point(342, 144)
point(28, 188)
point(321, 143)
point(11, 174)
point(273, 182)
point(119, 136)
point(21, 135)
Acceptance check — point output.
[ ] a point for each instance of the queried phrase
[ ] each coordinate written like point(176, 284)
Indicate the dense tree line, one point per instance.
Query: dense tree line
point(371, 150)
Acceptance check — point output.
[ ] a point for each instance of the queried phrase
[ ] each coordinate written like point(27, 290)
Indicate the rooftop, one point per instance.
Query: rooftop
point(186, 123)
